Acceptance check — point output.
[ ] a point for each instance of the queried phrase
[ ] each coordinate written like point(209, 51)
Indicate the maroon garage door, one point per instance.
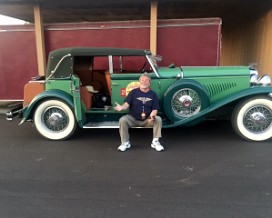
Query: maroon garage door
point(189, 42)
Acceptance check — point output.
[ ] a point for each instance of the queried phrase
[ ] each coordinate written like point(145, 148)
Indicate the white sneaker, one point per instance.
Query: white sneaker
point(157, 145)
point(124, 146)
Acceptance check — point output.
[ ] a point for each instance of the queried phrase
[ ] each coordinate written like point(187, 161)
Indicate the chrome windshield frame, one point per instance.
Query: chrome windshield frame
point(151, 59)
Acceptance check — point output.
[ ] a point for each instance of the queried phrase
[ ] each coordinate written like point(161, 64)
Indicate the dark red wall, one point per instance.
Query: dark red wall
point(189, 42)
point(18, 62)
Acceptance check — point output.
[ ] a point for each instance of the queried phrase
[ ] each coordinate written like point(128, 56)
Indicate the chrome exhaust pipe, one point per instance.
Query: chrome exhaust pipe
point(16, 109)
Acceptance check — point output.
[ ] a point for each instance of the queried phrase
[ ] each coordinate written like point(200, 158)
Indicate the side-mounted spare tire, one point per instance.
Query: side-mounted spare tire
point(184, 100)
point(54, 120)
point(252, 118)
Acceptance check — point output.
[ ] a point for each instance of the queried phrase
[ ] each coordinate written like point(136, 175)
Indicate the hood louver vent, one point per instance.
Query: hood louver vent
point(218, 88)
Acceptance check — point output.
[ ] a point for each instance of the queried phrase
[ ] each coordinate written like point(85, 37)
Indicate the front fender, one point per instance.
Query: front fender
point(253, 91)
point(181, 84)
point(56, 94)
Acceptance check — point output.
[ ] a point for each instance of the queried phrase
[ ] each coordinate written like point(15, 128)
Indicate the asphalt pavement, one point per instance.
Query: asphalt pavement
point(206, 171)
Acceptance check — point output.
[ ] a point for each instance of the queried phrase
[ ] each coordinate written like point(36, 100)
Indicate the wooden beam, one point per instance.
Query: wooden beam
point(39, 33)
point(266, 52)
point(153, 26)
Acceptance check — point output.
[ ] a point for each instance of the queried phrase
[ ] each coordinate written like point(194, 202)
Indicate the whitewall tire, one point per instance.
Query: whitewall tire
point(54, 120)
point(252, 119)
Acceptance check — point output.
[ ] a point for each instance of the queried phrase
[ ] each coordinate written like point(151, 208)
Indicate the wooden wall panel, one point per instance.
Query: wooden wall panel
point(247, 43)
point(265, 44)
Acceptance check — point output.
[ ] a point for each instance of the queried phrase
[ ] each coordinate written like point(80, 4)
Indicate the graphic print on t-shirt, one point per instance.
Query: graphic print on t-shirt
point(144, 99)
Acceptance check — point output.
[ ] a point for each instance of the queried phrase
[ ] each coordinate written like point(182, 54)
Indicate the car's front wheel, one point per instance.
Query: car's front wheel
point(54, 120)
point(252, 119)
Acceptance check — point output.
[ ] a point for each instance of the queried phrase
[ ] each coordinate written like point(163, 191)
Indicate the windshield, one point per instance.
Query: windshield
point(153, 60)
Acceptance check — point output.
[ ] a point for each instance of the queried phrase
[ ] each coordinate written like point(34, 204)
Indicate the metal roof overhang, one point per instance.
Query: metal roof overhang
point(63, 11)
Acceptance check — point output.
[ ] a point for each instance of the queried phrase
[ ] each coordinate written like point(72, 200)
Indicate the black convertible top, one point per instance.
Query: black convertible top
point(61, 60)
point(90, 51)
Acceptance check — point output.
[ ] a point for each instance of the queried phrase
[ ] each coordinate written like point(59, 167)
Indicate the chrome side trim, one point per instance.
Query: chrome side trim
point(110, 64)
point(181, 73)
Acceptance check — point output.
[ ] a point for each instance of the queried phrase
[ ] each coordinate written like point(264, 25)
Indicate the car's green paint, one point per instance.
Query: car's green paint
point(216, 86)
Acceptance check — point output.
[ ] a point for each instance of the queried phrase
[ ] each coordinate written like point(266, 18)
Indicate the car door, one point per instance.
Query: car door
point(125, 76)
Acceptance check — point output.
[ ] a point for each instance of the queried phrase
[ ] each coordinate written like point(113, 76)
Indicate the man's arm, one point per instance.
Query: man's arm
point(153, 113)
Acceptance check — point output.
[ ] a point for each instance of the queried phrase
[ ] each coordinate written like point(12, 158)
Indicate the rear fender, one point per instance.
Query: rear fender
point(56, 94)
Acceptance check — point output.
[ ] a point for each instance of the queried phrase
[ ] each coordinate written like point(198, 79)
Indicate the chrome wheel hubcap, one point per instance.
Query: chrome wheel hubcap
point(55, 119)
point(186, 103)
point(258, 119)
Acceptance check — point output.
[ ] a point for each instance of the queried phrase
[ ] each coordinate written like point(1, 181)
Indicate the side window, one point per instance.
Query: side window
point(100, 76)
point(101, 63)
point(82, 63)
point(83, 69)
point(130, 64)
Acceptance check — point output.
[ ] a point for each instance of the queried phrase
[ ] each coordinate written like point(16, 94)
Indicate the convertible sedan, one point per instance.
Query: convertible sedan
point(81, 86)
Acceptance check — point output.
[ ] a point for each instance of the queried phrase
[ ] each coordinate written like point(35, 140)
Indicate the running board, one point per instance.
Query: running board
point(105, 125)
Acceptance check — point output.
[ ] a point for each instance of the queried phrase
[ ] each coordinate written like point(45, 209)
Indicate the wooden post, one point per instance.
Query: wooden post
point(153, 26)
point(39, 33)
point(266, 54)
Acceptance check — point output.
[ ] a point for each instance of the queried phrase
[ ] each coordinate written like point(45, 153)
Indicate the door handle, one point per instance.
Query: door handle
point(115, 84)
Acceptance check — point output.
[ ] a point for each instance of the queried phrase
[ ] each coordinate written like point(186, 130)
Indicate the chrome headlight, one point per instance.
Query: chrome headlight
point(264, 80)
point(253, 72)
point(253, 76)
point(253, 79)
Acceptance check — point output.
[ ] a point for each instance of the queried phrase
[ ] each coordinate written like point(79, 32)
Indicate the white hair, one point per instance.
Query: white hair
point(145, 75)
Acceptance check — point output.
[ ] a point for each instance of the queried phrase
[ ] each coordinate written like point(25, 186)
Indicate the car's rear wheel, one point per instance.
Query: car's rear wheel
point(252, 119)
point(54, 120)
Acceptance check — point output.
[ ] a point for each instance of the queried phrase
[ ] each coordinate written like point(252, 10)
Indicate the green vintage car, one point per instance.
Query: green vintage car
point(81, 86)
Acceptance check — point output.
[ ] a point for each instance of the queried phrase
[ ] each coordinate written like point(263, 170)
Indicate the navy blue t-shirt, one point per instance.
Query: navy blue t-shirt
point(142, 102)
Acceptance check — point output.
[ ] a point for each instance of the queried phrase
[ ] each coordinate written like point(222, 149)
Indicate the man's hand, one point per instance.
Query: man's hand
point(151, 120)
point(122, 107)
point(118, 107)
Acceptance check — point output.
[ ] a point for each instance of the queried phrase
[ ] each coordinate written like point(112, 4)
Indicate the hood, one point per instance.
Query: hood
point(189, 72)
point(211, 71)
point(167, 72)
